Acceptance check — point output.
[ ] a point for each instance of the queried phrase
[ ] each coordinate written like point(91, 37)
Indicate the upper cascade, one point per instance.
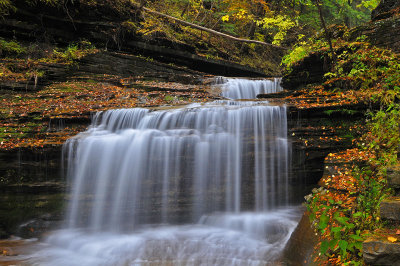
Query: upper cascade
point(234, 88)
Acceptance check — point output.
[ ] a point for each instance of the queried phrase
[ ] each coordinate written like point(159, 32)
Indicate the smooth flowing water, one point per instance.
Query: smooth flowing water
point(234, 88)
point(207, 184)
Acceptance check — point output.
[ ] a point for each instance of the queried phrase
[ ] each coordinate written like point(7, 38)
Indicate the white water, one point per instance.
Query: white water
point(233, 88)
point(200, 185)
point(220, 242)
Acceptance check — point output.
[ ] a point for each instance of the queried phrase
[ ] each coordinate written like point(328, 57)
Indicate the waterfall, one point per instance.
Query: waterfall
point(247, 89)
point(206, 184)
point(196, 159)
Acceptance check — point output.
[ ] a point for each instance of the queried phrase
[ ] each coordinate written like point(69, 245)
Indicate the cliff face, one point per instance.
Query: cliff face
point(384, 33)
point(385, 9)
point(113, 25)
point(384, 28)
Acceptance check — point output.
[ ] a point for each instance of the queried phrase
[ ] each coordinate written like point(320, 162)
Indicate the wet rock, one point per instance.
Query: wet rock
point(314, 135)
point(300, 249)
point(25, 167)
point(31, 186)
point(275, 95)
point(37, 227)
point(390, 209)
point(380, 252)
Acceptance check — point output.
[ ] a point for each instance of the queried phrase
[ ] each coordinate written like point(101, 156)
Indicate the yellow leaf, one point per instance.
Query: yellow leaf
point(225, 18)
point(392, 239)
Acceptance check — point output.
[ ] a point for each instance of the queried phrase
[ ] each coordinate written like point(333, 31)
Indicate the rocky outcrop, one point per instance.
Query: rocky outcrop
point(383, 33)
point(30, 186)
point(113, 27)
point(124, 65)
point(383, 247)
point(390, 209)
point(300, 249)
point(381, 252)
point(384, 28)
point(308, 71)
point(192, 61)
point(393, 179)
point(385, 9)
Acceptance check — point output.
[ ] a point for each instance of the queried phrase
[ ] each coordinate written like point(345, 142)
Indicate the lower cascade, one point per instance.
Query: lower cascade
point(207, 184)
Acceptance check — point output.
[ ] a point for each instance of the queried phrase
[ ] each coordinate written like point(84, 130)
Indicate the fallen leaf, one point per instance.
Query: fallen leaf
point(392, 239)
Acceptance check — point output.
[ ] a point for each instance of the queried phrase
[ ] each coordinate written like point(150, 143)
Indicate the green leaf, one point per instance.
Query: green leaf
point(324, 246)
point(358, 245)
point(342, 220)
point(356, 237)
point(350, 226)
point(333, 243)
point(323, 221)
point(343, 245)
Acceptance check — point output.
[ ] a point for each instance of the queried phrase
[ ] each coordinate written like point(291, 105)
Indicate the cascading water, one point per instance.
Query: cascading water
point(201, 185)
point(233, 88)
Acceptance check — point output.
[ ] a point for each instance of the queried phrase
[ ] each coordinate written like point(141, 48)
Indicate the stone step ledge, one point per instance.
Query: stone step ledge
point(393, 178)
point(390, 209)
point(381, 252)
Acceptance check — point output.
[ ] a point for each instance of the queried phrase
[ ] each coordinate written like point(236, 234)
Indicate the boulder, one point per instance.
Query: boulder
point(390, 209)
point(381, 252)
point(300, 249)
point(393, 178)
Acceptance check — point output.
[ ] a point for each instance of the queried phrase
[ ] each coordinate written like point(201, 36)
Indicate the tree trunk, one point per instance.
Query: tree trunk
point(209, 30)
point(327, 35)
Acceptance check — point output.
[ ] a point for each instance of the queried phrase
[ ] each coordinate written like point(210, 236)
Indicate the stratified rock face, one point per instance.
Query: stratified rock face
point(379, 252)
point(383, 33)
point(103, 24)
point(385, 9)
point(384, 29)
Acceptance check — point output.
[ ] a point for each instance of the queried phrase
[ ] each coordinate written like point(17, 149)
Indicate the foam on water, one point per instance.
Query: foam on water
point(229, 239)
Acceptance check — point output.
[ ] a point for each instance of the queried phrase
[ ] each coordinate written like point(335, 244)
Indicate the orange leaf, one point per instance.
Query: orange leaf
point(392, 239)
